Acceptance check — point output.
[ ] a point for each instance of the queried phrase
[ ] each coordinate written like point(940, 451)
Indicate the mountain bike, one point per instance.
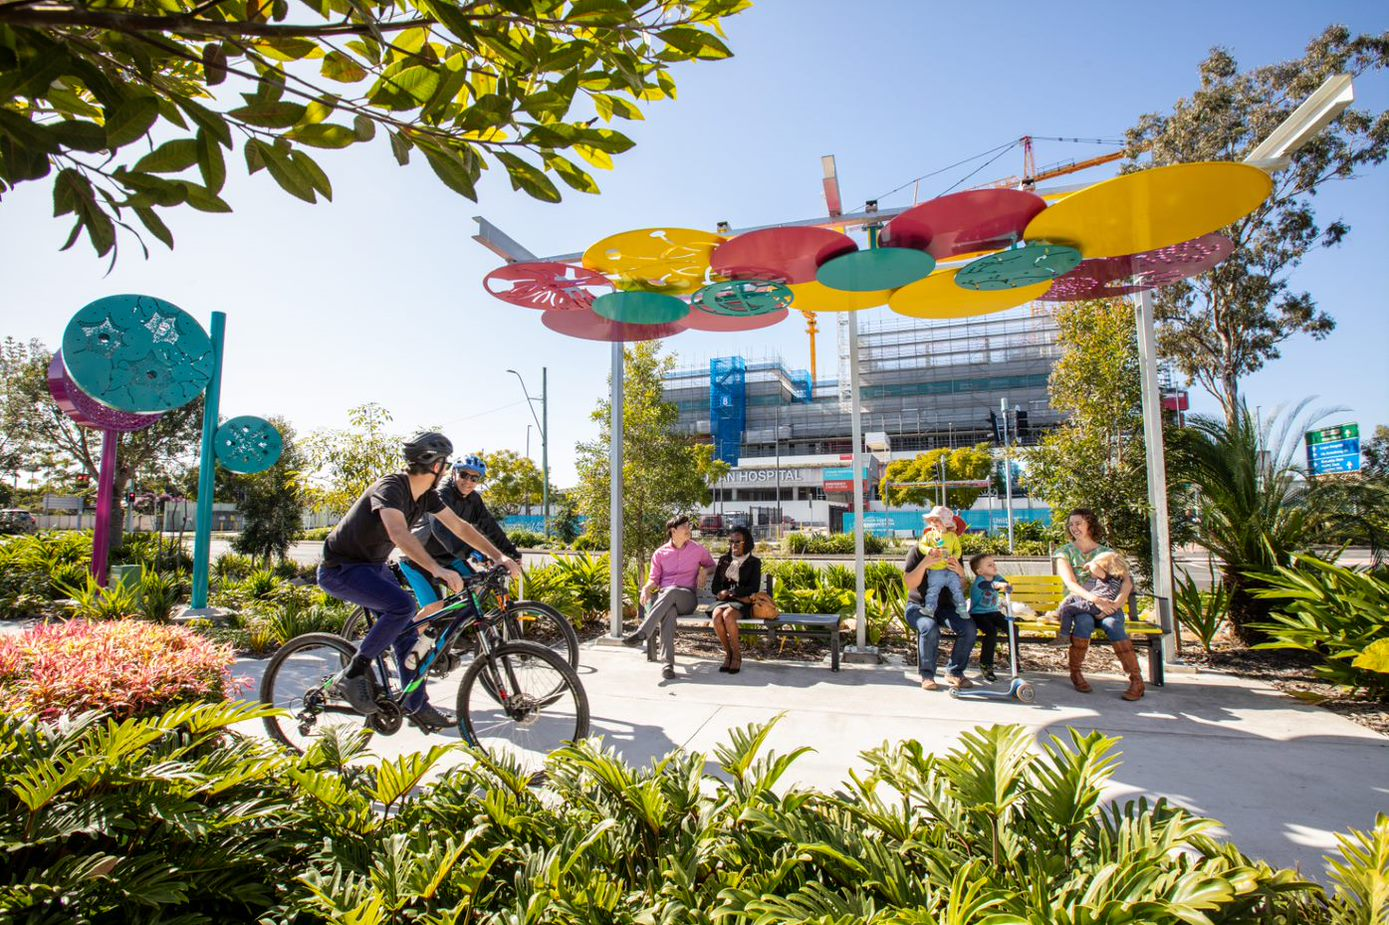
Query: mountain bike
point(515, 697)
point(522, 620)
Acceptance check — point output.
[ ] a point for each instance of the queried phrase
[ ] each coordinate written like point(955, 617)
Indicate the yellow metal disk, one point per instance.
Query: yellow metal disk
point(937, 296)
point(675, 260)
point(1152, 208)
point(817, 297)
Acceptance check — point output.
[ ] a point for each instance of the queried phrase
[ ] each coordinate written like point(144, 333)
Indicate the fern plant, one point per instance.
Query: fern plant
point(1203, 613)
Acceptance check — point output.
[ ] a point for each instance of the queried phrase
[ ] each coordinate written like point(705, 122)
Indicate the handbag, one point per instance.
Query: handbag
point(761, 606)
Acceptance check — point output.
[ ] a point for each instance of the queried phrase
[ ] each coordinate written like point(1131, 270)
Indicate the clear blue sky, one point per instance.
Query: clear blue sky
point(377, 296)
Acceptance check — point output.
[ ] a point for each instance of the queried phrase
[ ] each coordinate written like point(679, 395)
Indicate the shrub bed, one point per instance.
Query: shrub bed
point(127, 667)
point(176, 818)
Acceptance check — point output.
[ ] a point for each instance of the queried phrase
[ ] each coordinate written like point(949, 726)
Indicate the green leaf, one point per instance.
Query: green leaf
point(605, 139)
point(317, 178)
point(364, 127)
point(599, 12)
point(450, 168)
point(418, 82)
point(571, 174)
point(319, 110)
point(170, 157)
point(214, 67)
point(156, 190)
point(269, 115)
point(340, 67)
point(323, 135)
point(400, 147)
point(211, 164)
point(206, 118)
point(255, 161)
point(69, 188)
point(203, 199)
point(79, 134)
point(27, 133)
point(283, 170)
point(1375, 657)
point(155, 225)
point(692, 42)
point(130, 120)
point(528, 177)
point(600, 159)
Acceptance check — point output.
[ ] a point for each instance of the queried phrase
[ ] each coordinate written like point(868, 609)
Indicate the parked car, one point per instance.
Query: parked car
point(17, 520)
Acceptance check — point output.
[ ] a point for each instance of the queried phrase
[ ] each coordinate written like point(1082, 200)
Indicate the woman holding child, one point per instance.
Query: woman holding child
point(736, 579)
point(1099, 584)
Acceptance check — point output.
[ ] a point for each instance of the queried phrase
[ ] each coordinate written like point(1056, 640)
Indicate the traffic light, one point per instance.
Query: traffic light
point(130, 497)
point(83, 479)
point(995, 425)
point(1024, 431)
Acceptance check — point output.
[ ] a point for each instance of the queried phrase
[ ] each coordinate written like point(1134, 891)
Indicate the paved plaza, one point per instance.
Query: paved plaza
point(1283, 776)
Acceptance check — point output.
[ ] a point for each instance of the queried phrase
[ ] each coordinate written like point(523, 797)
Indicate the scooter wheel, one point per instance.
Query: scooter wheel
point(1026, 693)
point(954, 693)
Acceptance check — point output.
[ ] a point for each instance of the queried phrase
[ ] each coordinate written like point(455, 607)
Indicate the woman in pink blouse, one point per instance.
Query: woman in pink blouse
point(677, 569)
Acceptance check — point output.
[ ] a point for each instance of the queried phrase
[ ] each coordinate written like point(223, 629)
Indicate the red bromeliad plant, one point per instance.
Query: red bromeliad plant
point(127, 667)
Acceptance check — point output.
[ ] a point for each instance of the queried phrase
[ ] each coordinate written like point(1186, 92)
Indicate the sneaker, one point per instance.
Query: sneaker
point(668, 673)
point(632, 640)
point(434, 718)
point(988, 675)
point(959, 682)
point(356, 691)
point(929, 684)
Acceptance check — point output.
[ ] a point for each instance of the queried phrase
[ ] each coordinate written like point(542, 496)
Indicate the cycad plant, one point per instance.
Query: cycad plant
point(1253, 495)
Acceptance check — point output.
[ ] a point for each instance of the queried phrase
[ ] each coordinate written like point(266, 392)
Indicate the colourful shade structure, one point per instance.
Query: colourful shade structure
point(703, 321)
point(672, 260)
point(960, 224)
point(1018, 267)
point(817, 297)
point(247, 445)
point(1152, 209)
point(939, 296)
point(86, 411)
point(743, 298)
point(589, 326)
point(548, 286)
point(876, 269)
point(644, 308)
point(786, 255)
point(1108, 277)
point(137, 353)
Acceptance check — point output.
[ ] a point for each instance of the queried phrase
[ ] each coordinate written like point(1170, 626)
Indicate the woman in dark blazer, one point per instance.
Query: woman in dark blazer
point(737, 577)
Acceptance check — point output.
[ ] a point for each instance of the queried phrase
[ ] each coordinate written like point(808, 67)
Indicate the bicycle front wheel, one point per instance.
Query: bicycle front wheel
point(296, 681)
point(521, 702)
point(532, 621)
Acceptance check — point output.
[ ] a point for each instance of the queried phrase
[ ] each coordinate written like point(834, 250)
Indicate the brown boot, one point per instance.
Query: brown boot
point(1076, 658)
point(1129, 660)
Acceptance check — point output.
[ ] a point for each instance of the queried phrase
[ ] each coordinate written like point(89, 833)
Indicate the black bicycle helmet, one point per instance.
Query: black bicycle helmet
point(427, 448)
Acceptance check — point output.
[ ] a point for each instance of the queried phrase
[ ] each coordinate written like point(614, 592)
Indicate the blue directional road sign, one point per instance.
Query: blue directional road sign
point(1333, 449)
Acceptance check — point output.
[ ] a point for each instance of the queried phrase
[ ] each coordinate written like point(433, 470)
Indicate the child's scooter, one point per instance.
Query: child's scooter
point(1018, 689)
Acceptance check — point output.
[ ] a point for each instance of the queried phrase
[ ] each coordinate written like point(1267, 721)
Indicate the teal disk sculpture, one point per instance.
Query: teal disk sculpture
point(1018, 267)
point(248, 445)
point(876, 269)
point(743, 298)
point(137, 354)
point(640, 307)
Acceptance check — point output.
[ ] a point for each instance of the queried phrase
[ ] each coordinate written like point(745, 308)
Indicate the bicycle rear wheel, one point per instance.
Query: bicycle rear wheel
point(532, 621)
point(296, 680)
point(522, 701)
point(358, 624)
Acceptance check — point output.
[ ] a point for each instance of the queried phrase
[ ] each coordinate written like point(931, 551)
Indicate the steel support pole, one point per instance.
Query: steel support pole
point(1160, 525)
point(105, 506)
point(545, 445)
point(202, 537)
point(861, 651)
point(615, 496)
point(1007, 472)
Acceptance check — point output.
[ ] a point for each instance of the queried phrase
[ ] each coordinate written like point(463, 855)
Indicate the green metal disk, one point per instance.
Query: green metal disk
point(640, 307)
point(248, 444)
point(1019, 267)
point(743, 298)
point(876, 269)
point(137, 354)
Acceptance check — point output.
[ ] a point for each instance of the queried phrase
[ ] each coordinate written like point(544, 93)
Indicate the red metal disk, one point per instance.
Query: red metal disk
point(784, 255)
point(1116, 276)
point(589, 326)
point(963, 223)
point(559, 287)
point(698, 320)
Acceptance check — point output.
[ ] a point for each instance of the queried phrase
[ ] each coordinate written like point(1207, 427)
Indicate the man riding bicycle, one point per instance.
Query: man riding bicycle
point(355, 569)
point(446, 548)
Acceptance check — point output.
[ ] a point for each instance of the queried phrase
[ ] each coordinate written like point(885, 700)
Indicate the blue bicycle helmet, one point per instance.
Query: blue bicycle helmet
point(472, 464)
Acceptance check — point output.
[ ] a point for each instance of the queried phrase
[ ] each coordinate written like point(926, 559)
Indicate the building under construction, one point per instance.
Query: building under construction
point(923, 385)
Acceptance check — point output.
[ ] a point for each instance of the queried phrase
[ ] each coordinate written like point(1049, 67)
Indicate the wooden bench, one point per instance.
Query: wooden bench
point(1044, 593)
point(819, 625)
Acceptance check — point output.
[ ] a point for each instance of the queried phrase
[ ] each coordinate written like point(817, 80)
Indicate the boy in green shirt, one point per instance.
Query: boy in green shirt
point(940, 538)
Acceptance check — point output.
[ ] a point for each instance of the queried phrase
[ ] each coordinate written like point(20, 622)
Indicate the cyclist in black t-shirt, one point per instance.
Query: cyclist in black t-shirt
point(354, 567)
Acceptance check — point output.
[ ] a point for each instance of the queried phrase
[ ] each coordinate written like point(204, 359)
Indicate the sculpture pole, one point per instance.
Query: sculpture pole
point(202, 537)
point(105, 506)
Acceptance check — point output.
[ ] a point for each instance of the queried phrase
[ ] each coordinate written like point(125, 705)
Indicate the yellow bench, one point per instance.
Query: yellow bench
point(1044, 593)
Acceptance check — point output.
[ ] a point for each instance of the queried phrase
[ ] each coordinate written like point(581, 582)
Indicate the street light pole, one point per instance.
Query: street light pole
point(544, 435)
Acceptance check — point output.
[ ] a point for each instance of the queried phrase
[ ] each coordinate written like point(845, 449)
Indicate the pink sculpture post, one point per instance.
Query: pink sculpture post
point(105, 495)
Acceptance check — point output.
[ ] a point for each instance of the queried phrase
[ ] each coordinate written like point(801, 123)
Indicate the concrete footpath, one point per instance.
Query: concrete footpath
point(1281, 775)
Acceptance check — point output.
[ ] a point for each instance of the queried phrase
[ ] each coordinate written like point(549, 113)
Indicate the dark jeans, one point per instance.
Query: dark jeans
point(375, 588)
point(928, 638)
point(989, 626)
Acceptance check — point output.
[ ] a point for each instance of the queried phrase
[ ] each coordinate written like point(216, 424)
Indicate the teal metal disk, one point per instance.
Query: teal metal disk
point(876, 269)
point(743, 298)
point(248, 445)
point(1019, 267)
point(640, 307)
point(137, 354)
